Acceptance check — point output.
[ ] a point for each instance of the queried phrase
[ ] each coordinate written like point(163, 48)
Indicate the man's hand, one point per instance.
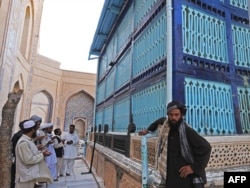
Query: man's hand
point(70, 142)
point(46, 153)
point(40, 147)
point(50, 142)
point(143, 132)
point(185, 171)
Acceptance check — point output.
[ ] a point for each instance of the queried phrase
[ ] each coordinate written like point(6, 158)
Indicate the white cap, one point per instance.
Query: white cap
point(46, 125)
point(28, 124)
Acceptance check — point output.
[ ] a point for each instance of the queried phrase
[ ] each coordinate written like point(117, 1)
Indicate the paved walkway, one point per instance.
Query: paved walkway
point(79, 179)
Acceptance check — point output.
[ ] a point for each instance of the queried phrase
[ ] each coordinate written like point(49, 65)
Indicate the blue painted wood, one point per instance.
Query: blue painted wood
point(123, 70)
point(108, 116)
point(150, 47)
point(100, 93)
point(121, 115)
point(99, 117)
point(243, 4)
point(177, 48)
point(211, 44)
point(124, 29)
point(149, 104)
point(142, 8)
point(203, 35)
point(209, 107)
point(110, 83)
point(244, 101)
point(241, 47)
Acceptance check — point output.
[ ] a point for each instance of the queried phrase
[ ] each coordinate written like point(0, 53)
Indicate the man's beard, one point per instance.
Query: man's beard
point(34, 135)
point(176, 124)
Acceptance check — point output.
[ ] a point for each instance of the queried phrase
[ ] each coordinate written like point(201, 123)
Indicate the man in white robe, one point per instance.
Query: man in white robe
point(48, 142)
point(70, 149)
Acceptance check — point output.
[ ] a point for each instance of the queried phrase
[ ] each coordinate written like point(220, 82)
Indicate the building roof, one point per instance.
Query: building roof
point(110, 11)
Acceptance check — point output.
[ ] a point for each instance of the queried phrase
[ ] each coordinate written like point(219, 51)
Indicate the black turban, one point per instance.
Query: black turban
point(176, 105)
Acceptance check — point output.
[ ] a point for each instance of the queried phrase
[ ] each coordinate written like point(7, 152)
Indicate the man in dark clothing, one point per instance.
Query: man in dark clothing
point(187, 152)
point(14, 141)
point(58, 146)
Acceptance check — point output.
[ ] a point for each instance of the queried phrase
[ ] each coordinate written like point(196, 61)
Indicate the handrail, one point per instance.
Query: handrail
point(144, 158)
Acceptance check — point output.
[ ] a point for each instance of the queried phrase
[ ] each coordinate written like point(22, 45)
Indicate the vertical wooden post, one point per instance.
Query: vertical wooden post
point(144, 159)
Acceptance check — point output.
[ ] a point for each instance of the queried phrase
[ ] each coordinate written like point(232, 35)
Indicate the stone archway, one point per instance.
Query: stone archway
point(41, 105)
point(80, 127)
point(79, 111)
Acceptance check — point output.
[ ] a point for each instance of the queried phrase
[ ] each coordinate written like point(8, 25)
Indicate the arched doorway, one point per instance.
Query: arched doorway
point(80, 124)
point(79, 111)
point(42, 105)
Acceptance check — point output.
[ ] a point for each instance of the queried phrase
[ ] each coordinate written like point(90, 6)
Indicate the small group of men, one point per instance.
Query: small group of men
point(40, 156)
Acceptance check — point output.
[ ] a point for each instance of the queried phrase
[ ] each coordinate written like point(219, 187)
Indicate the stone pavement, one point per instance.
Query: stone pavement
point(77, 179)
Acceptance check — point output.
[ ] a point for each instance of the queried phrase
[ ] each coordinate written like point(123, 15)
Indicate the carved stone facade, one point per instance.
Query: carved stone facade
point(58, 96)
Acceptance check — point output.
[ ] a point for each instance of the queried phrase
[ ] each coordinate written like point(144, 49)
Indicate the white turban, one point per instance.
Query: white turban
point(46, 125)
point(28, 124)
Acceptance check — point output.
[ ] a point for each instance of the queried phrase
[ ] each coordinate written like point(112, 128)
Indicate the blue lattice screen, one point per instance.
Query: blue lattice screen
point(243, 4)
point(150, 47)
point(110, 84)
point(123, 70)
point(107, 59)
point(203, 35)
point(241, 46)
point(101, 93)
point(103, 64)
point(108, 116)
point(111, 49)
point(121, 115)
point(98, 118)
point(149, 105)
point(210, 109)
point(125, 29)
point(142, 8)
point(244, 105)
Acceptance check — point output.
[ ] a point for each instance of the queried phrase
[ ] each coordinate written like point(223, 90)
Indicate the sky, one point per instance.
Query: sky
point(67, 31)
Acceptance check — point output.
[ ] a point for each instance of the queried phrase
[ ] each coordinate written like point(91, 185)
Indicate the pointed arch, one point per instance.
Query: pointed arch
point(42, 105)
point(79, 110)
point(80, 126)
point(26, 34)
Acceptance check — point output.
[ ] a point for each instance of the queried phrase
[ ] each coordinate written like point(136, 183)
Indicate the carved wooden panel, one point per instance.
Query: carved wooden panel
point(110, 175)
point(128, 182)
point(229, 155)
point(101, 165)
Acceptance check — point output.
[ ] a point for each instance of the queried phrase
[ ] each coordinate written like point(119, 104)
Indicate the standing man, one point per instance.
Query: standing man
point(38, 120)
point(14, 141)
point(48, 142)
point(30, 166)
point(58, 145)
point(70, 149)
point(183, 153)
